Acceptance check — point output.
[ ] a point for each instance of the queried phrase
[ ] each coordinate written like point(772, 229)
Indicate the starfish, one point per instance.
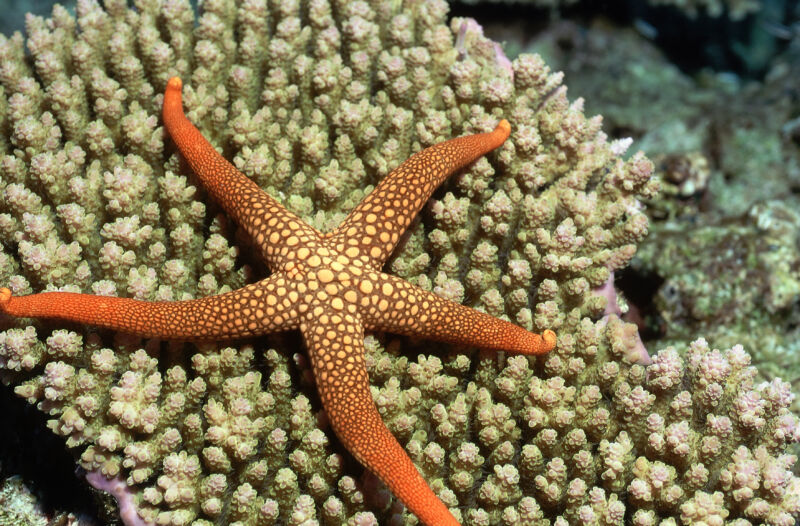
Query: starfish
point(329, 286)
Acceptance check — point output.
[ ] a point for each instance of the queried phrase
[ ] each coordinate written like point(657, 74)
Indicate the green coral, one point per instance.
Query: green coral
point(721, 258)
point(18, 507)
point(735, 9)
point(316, 102)
point(741, 286)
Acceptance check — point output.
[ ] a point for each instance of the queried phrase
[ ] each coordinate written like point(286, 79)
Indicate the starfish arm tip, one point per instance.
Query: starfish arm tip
point(549, 341)
point(175, 83)
point(5, 298)
point(172, 109)
point(503, 127)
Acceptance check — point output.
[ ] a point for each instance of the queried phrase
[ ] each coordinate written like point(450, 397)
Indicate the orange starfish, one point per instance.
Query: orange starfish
point(330, 286)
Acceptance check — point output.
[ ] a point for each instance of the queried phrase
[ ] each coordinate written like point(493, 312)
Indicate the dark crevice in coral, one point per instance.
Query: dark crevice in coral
point(28, 449)
point(640, 289)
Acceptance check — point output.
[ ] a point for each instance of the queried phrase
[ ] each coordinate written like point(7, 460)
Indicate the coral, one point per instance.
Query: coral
point(17, 505)
point(735, 9)
point(739, 287)
point(316, 102)
point(721, 254)
point(622, 76)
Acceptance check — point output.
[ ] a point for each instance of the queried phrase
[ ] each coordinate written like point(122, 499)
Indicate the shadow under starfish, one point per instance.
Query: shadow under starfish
point(329, 286)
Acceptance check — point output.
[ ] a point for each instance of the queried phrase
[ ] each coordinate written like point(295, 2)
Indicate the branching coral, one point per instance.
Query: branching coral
point(315, 102)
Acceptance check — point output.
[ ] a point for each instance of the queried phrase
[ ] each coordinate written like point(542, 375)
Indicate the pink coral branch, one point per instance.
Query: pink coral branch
point(607, 290)
point(123, 494)
point(471, 30)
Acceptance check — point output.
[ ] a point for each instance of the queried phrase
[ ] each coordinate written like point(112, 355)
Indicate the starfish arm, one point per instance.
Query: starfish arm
point(400, 307)
point(336, 347)
point(374, 227)
point(258, 308)
point(273, 228)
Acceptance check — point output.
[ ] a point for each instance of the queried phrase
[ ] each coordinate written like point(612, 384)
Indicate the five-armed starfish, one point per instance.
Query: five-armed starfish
point(330, 286)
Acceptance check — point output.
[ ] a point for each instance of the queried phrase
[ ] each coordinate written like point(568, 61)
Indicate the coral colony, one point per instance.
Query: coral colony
point(316, 102)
